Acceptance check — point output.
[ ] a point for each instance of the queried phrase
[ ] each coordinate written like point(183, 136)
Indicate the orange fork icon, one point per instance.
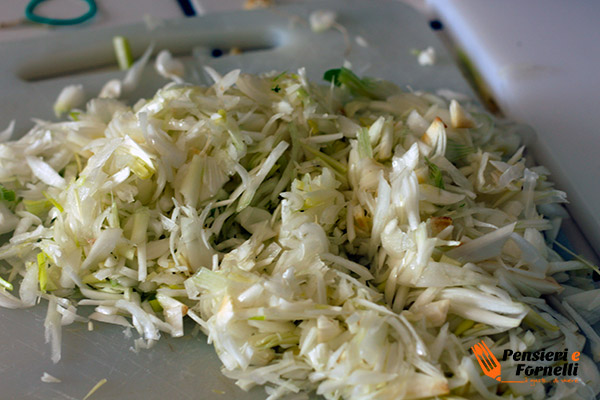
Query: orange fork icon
point(488, 362)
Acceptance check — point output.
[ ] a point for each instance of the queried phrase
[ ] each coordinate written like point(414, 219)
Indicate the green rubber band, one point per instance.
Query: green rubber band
point(32, 16)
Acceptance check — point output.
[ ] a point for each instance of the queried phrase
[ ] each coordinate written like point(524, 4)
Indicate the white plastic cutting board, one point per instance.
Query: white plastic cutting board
point(31, 76)
point(540, 60)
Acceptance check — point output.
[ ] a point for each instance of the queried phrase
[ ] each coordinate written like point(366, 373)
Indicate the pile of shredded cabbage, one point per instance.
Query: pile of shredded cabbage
point(351, 239)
